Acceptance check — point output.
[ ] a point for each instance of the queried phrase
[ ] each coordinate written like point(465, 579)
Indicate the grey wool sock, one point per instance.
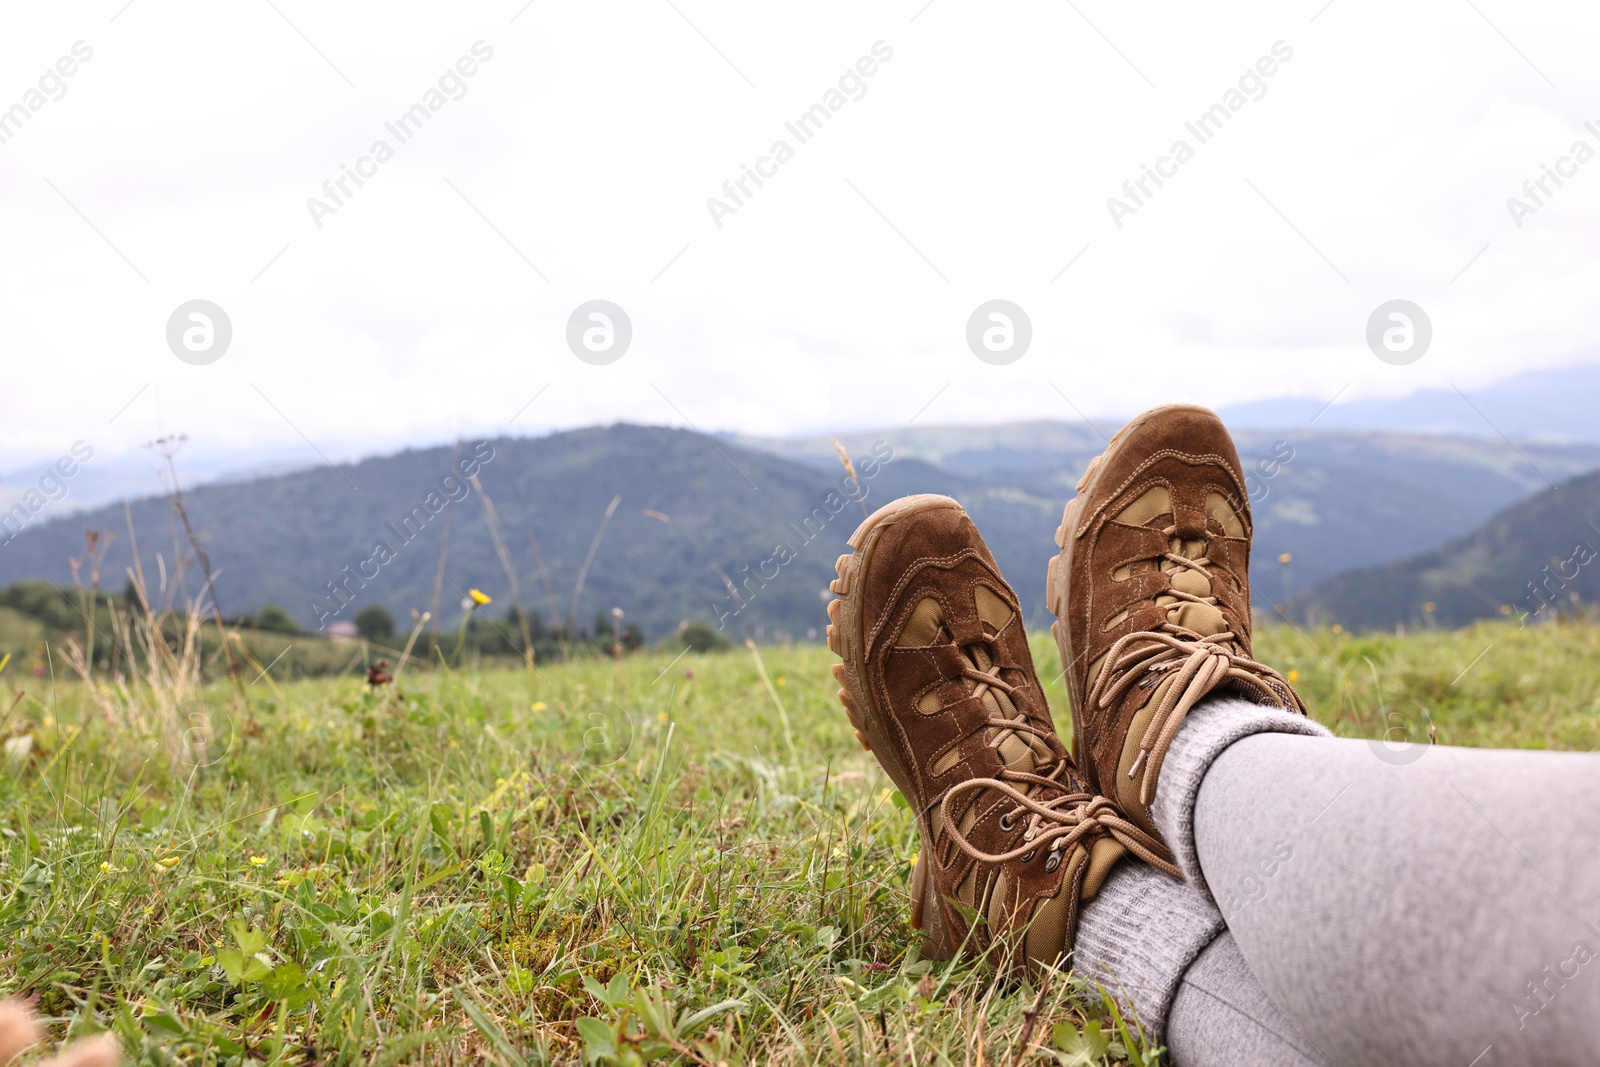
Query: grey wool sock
point(1211, 726)
point(1141, 932)
point(1138, 936)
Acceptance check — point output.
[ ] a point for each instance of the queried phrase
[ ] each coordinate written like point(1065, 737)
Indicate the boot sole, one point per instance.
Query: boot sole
point(847, 641)
point(1056, 579)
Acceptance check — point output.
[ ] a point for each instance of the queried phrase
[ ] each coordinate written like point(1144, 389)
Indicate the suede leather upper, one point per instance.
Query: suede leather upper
point(1156, 554)
point(937, 655)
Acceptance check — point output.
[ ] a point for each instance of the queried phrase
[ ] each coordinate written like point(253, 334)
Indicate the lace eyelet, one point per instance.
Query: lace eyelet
point(1052, 861)
point(1027, 857)
point(1008, 822)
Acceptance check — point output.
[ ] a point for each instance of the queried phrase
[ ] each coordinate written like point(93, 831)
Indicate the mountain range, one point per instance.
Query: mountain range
point(1535, 559)
point(1332, 500)
point(743, 531)
point(1552, 405)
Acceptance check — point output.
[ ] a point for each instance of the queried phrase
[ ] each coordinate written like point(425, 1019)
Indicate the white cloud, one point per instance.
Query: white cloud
point(593, 137)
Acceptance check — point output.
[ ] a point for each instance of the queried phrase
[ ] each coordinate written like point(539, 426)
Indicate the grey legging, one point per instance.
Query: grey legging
point(1429, 905)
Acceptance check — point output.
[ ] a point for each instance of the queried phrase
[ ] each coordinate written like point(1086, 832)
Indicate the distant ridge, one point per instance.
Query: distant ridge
point(1557, 404)
point(1331, 499)
point(690, 513)
point(696, 515)
point(1528, 560)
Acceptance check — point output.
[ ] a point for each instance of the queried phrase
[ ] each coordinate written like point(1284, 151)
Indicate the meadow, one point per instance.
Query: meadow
point(658, 858)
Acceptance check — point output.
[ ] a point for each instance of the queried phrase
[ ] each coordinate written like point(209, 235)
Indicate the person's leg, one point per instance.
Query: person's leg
point(1221, 1015)
point(1399, 904)
point(937, 679)
point(1160, 947)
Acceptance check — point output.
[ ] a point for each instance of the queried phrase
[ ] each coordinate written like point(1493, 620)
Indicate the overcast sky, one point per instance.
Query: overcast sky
point(975, 163)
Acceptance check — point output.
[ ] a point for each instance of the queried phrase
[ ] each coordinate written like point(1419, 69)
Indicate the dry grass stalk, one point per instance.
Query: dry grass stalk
point(850, 471)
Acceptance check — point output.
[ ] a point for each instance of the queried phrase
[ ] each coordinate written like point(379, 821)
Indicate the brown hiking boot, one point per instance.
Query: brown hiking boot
point(1152, 597)
point(939, 684)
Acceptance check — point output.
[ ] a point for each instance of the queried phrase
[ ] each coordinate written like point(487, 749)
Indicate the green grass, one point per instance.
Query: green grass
point(470, 866)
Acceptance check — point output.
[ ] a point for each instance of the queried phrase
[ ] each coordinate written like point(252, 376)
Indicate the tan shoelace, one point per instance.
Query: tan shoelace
point(1061, 822)
point(990, 679)
point(1202, 662)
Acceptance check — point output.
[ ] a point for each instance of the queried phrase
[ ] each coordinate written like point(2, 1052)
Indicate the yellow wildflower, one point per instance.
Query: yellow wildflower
point(538, 705)
point(479, 597)
point(1294, 677)
point(258, 861)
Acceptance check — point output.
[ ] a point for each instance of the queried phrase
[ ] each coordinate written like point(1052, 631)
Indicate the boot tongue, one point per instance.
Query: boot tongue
point(1014, 747)
point(1203, 619)
point(1020, 751)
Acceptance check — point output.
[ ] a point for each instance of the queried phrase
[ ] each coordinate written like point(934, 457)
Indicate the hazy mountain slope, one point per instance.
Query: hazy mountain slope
point(694, 511)
point(1539, 550)
point(1332, 500)
point(689, 515)
point(1552, 404)
point(283, 539)
point(1351, 500)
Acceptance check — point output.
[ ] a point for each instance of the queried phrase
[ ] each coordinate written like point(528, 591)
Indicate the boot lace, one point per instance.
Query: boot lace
point(1059, 821)
point(1198, 663)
